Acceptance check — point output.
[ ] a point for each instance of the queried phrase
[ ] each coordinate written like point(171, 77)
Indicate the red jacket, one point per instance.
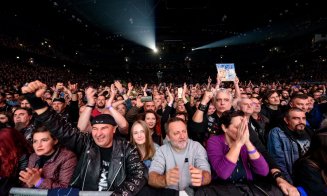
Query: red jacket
point(58, 170)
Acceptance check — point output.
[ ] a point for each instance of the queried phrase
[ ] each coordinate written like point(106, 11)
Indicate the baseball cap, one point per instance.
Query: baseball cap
point(62, 100)
point(104, 119)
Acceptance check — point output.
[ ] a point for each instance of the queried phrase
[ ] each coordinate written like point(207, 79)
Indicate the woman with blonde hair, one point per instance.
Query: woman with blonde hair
point(141, 137)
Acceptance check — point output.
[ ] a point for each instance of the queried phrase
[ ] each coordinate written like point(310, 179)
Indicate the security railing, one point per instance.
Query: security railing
point(44, 192)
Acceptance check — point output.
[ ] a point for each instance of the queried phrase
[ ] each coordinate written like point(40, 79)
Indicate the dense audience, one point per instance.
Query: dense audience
point(136, 134)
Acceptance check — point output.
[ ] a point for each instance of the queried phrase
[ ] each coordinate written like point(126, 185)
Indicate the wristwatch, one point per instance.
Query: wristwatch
point(202, 107)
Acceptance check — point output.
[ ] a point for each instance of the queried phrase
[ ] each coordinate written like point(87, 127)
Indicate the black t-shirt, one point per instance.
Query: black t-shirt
point(105, 162)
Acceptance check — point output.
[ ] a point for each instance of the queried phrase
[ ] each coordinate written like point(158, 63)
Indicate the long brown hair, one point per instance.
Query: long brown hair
point(317, 154)
point(148, 145)
point(157, 127)
point(13, 146)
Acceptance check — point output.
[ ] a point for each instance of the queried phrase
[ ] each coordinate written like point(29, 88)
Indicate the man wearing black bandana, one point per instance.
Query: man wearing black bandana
point(289, 141)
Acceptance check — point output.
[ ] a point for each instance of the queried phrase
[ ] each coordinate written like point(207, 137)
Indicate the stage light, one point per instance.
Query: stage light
point(132, 20)
point(155, 50)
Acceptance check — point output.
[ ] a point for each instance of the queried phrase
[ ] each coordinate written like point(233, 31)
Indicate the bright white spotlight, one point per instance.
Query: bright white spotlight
point(155, 50)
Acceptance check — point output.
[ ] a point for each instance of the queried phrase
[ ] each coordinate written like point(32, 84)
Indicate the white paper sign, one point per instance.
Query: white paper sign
point(226, 71)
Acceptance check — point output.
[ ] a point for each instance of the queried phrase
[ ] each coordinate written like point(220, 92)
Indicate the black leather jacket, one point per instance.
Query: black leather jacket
point(126, 171)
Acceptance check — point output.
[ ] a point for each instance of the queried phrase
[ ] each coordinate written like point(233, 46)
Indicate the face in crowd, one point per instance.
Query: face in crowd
point(302, 104)
point(149, 105)
point(58, 106)
point(223, 101)
point(256, 105)
point(121, 108)
point(139, 131)
point(285, 94)
point(295, 120)
point(316, 95)
point(246, 106)
point(25, 104)
point(180, 106)
point(101, 102)
point(157, 99)
point(44, 143)
point(3, 118)
point(22, 118)
point(274, 99)
point(177, 134)
point(211, 109)
point(103, 134)
point(151, 120)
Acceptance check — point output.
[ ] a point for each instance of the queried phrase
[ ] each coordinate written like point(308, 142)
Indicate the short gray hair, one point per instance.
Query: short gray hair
point(221, 90)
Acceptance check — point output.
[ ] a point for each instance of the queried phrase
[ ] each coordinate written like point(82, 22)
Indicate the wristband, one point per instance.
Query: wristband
point(277, 174)
point(122, 92)
point(36, 102)
point(110, 107)
point(202, 107)
point(252, 151)
point(91, 106)
point(39, 183)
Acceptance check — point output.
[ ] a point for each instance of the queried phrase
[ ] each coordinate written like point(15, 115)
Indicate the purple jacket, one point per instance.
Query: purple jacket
point(217, 149)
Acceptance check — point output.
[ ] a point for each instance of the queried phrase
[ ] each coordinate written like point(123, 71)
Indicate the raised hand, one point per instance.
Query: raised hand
point(242, 135)
point(236, 80)
point(113, 90)
point(72, 87)
point(36, 87)
point(89, 93)
point(218, 81)
point(206, 97)
point(119, 86)
point(139, 103)
point(130, 88)
point(170, 96)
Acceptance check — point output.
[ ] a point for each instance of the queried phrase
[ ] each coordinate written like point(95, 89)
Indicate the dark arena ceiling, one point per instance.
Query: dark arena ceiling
point(119, 32)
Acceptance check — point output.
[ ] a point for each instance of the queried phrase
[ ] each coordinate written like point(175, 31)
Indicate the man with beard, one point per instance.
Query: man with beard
point(23, 122)
point(181, 163)
point(100, 106)
point(289, 141)
point(285, 97)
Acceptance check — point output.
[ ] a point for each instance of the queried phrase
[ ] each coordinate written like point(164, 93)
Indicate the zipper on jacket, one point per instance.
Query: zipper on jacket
point(87, 166)
point(74, 181)
point(115, 176)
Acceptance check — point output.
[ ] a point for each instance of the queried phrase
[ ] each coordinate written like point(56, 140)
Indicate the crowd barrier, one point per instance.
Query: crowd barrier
point(44, 192)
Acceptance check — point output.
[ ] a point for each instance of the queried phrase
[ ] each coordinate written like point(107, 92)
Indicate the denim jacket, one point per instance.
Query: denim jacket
point(285, 150)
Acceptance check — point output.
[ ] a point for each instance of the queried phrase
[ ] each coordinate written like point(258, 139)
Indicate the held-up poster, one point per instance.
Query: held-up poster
point(226, 71)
